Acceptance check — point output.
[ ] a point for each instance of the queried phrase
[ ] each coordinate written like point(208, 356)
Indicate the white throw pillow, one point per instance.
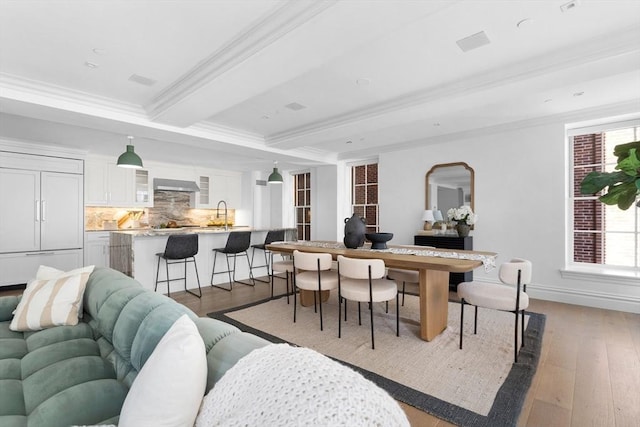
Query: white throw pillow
point(281, 385)
point(55, 300)
point(49, 273)
point(169, 388)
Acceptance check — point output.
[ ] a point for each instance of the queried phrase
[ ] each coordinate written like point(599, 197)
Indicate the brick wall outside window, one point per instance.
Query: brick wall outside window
point(602, 234)
point(302, 203)
point(364, 194)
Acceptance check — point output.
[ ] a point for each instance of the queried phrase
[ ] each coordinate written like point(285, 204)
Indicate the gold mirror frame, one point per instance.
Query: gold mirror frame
point(445, 165)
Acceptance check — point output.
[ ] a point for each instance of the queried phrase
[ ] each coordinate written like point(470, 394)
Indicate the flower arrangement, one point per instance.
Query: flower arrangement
point(462, 215)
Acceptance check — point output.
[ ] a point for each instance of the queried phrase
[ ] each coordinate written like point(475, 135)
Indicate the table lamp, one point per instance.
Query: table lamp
point(428, 219)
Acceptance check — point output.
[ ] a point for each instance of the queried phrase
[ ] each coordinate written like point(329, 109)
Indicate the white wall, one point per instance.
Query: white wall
point(324, 207)
point(520, 198)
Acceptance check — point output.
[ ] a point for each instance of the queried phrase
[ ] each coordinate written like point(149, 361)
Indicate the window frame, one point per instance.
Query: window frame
point(584, 270)
point(366, 185)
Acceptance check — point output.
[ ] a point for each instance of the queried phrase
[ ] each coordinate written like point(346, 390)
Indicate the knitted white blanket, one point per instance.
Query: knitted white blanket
point(281, 385)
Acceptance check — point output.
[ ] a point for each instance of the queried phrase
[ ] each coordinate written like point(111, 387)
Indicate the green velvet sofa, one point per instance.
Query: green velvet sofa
point(80, 375)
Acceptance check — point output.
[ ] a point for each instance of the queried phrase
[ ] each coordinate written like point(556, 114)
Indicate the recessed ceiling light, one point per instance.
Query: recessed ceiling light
point(524, 23)
point(90, 64)
point(578, 94)
point(99, 51)
point(363, 81)
point(569, 6)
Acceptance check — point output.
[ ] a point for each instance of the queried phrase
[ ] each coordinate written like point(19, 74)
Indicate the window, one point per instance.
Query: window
point(602, 235)
point(302, 204)
point(364, 194)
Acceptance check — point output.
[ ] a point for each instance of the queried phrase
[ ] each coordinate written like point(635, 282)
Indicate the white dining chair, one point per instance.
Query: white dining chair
point(312, 272)
point(510, 296)
point(363, 280)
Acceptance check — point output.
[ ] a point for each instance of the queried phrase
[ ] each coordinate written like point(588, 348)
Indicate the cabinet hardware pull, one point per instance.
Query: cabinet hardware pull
point(40, 253)
point(37, 210)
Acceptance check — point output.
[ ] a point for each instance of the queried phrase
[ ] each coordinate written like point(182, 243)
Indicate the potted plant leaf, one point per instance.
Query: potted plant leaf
point(623, 184)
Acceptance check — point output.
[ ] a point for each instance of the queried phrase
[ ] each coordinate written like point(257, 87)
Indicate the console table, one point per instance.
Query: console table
point(449, 242)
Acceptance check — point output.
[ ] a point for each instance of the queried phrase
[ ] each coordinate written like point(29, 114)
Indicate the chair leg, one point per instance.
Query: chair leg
point(195, 265)
point(320, 304)
point(166, 263)
point(359, 317)
point(157, 273)
point(294, 299)
point(522, 337)
point(515, 343)
point(371, 313)
point(386, 309)
point(403, 283)
point(339, 314)
point(475, 322)
point(213, 272)
point(397, 315)
point(461, 321)
point(245, 254)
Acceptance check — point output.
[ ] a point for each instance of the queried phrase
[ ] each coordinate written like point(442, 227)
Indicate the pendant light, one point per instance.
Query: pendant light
point(275, 177)
point(129, 159)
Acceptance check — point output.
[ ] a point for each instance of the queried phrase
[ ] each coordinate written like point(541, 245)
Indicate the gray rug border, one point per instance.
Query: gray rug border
point(509, 399)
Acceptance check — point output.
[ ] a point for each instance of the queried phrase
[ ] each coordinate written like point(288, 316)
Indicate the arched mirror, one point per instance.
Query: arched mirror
point(449, 185)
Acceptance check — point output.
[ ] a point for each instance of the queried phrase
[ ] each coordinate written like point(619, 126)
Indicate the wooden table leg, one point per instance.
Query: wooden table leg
point(306, 297)
point(434, 303)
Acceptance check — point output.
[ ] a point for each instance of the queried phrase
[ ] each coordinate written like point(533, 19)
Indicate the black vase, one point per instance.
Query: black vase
point(354, 231)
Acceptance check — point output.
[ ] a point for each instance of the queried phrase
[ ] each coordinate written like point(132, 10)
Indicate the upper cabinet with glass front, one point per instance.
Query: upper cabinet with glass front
point(449, 185)
point(106, 184)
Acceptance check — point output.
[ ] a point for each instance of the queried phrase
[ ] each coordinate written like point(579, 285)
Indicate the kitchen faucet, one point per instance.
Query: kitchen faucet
point(226, 223)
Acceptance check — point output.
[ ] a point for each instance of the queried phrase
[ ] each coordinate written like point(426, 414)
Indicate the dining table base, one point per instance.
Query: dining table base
point(434, 303)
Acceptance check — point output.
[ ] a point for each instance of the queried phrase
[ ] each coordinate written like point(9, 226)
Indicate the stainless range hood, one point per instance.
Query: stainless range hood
point(175, 185)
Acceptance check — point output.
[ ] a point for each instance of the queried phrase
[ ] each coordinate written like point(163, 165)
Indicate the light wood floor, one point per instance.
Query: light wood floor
point(589, 371)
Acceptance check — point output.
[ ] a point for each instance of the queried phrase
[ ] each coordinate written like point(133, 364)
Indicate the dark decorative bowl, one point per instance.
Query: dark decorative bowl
point(379, 240)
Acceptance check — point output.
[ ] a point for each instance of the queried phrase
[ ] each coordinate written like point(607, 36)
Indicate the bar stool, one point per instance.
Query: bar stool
point(272, 236)
point(237, 244)
point(180, 248)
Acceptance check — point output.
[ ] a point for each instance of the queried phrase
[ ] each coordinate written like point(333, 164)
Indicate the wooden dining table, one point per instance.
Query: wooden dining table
point(433, 272)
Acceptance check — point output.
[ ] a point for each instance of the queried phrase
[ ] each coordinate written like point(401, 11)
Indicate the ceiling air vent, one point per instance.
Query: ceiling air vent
point(473, 41)
point(146, 81)
point(295, 106)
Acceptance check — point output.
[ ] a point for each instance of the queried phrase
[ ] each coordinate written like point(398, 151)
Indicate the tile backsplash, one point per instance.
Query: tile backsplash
point(167, 206)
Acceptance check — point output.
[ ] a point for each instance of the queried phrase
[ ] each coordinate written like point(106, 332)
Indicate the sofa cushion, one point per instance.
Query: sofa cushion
point(170, 386)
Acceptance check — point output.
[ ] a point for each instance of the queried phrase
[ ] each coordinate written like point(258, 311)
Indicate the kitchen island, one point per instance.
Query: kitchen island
point(133, 252)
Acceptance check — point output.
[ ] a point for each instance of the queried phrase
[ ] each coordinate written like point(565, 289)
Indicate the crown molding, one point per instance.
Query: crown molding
point(597, 49)
point(38, 92)
point(265, 31)
point(36, 148)
point(590, 113)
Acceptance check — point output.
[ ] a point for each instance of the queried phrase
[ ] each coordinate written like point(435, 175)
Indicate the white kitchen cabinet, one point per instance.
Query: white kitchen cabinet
point(96, 248)
point(227, 187)
point(42, 218)
point(45, 213)
point(20, 267)
point(109, 185)
point(143, 192)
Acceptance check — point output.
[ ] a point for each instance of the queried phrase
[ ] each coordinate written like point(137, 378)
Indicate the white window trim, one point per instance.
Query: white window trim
point(582, 271)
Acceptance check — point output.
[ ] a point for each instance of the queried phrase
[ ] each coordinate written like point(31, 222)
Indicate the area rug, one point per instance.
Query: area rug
point(476, 386)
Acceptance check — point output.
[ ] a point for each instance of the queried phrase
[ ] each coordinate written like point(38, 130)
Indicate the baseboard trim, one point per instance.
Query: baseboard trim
point(587, 298)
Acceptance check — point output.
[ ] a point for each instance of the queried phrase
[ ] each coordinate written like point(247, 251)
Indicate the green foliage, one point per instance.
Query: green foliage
point(623, 185)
